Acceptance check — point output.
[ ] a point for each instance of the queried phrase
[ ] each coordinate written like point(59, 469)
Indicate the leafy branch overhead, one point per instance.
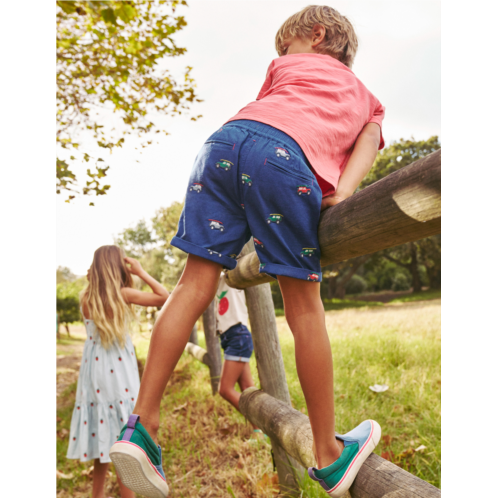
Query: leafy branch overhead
point(110, 61)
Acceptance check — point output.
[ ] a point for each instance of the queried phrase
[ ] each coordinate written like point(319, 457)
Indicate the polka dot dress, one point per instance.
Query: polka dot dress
point(108, 386)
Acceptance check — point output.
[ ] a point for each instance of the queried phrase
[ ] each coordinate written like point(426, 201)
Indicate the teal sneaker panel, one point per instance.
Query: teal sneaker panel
point(137, 434)
point(332, 474)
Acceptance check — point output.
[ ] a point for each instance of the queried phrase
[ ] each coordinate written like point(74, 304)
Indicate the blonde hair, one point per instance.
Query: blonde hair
point(340, 40)
point(106, 277)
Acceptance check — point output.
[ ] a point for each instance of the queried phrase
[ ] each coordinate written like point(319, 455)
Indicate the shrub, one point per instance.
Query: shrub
point(356, 285)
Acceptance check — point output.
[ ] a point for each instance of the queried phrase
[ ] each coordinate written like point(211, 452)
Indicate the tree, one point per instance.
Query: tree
point(136, 241)
point(152, 246)
point(409, 256)
point(64, 274)
point(109, 56)
point(68, 302)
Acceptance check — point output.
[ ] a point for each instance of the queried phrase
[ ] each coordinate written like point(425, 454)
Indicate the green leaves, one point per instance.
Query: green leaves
point(108, 54)
point(109, 16)
point(126, 12)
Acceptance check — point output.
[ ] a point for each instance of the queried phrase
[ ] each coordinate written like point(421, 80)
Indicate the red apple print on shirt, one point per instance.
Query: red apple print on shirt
point(98, 390)
point(120, 402)
point(110, 407)
point(223, 304)
point(101, 454)
point(85, 422)
point(112, 371)
point(126, 389)
point(133, 399)
point(93, 434)
point(119, 358)
point(84, 454)
point(91, 404)
point(96, 358)
point(78, 407)
point(101, 421)
point(91, 337)
point(74, 439)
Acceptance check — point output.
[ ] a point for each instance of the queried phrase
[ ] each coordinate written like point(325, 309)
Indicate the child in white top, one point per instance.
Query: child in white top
point(236, 341)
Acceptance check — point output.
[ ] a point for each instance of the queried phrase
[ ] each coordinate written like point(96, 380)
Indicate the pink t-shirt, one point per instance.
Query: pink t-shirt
point(322, 105)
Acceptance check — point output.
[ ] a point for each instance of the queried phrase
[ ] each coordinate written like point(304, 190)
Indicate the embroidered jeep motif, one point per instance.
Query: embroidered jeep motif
point(274, 218)
point(216, 225)
point(224, 164)
point(303, 189)
point(246, 180)
point(314, 277)
point(258, 242)
point(197, 187)
point(210, 251)
point(281, 152)
point(308, 251)
point(262, 265)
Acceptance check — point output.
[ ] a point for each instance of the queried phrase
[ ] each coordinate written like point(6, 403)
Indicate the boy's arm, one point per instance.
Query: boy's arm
point(359, 164)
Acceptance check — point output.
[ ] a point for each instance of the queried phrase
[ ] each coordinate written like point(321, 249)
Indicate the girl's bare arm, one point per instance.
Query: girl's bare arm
point(158, 295)
point(359, 164)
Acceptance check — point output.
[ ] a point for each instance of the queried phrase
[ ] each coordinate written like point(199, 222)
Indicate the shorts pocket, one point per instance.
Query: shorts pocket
point(290, 172)
point(221, 143)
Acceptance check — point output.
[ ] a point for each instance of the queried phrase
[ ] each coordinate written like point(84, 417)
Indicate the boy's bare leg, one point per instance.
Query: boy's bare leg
point(306, 319)
point(190, 298)
point(99, 475)
point(230, 373)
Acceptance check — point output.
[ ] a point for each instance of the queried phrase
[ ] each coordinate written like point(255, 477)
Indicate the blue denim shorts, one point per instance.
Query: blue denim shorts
point(237, 343)
point(252, 179)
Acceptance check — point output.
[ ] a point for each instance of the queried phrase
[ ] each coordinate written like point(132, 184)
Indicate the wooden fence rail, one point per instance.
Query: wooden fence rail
point(377, 477)
point(402, 207)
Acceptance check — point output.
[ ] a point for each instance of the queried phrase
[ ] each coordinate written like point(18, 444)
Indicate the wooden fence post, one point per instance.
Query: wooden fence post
point(212, 346)
point(193, 336)
point(271, 371)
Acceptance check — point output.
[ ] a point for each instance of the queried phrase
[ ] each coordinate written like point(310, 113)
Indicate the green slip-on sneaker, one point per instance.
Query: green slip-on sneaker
point(338, 477)
point(138, 461)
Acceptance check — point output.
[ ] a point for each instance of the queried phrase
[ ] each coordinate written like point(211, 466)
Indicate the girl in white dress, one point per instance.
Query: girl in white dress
point(108, 381)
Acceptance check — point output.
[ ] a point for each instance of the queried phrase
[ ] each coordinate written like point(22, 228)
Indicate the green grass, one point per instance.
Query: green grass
point(419, 296)
point(394, 345)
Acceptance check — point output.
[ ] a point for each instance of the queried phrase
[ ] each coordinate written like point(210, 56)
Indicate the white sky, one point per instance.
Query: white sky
point(230, 45)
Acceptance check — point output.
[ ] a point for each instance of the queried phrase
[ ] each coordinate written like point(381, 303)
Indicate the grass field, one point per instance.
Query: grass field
point(209, 450)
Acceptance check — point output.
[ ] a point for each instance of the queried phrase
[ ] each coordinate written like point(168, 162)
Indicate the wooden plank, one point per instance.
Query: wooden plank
point(271, 371)
point(402, 207)
point(212, 346)
point(377, 477)
point(198, 353)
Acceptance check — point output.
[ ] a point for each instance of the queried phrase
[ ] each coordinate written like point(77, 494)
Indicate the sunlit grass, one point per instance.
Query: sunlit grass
point(208, 446)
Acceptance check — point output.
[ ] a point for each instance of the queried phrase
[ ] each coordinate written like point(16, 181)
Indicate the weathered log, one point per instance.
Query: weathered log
point(403, 207)
point(271, 371)
point(212, 346)
point(198, 353)
point(377, 477)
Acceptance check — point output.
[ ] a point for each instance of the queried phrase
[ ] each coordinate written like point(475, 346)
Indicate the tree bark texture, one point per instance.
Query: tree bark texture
point(403, 207)
point(193, 336)
point(271, 371)
point(377, 477)
point(212, 345)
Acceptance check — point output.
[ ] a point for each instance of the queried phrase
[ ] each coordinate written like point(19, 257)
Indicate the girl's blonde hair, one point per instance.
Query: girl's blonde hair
point(106, 277)
point(340, 39)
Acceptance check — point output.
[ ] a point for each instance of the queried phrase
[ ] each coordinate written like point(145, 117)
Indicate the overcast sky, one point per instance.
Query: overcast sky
point(230, 45)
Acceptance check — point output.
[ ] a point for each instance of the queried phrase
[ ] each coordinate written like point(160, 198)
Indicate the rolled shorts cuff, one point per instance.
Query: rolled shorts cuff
point(202, 252)
point(242, 359)
point(273, 270)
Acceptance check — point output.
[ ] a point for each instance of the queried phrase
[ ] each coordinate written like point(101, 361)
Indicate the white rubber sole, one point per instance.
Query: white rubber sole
point(356, 464)
point(136, 470)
